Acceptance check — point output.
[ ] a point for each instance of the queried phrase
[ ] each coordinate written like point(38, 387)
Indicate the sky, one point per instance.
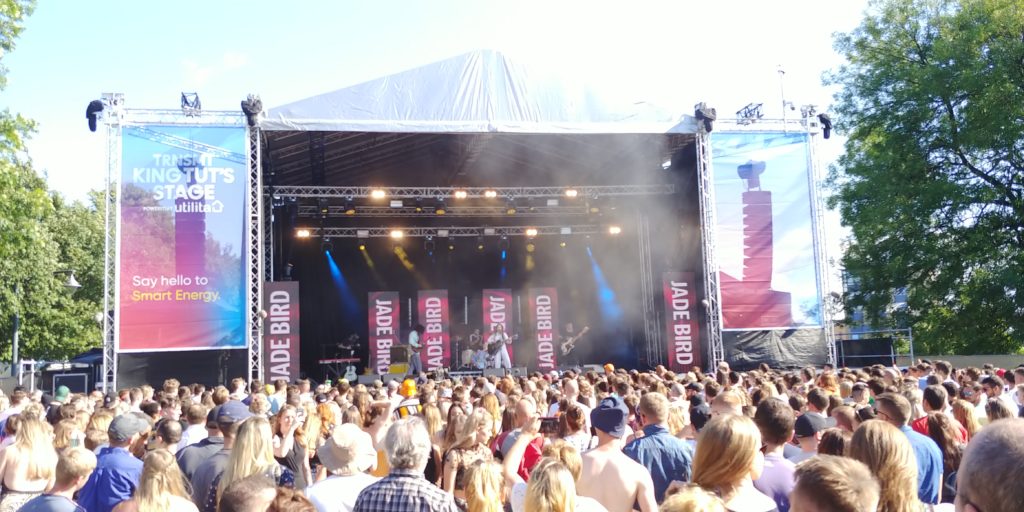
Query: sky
point(726, 53)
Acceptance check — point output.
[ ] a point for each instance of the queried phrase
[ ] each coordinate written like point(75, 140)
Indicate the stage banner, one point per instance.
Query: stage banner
point(432, 311)
point(498, 310)
point(681, 321)
point(182, 209)
point(544, 319)
point(765, 230)
point(281, 331)
point(384, 309)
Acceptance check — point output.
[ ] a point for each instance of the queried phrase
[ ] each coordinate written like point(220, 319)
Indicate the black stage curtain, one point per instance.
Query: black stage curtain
point(209, 367)
point(784, 349)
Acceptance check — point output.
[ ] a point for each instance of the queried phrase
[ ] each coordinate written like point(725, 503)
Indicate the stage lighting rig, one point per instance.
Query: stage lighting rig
point(440, 208)
point(350, 207)
point(378, 194)
point(397, 234)
point(480, 243)
point(327, 245)
point(323, 207)
point(614, 230)
point(428, 244)
point(490, 194)
point(531, 232)
point(749, 114)
point(92, 113)
point(706, 115)
point(461, 194)
point(302, 233)
point(252, 107)
point(510, 207)
point(571, 193)
point(503, 244)
point(190, 104)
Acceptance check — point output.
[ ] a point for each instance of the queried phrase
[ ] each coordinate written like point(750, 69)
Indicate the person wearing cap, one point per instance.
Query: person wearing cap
point(409, 402)
point(230, 416)
point(347, 455)
point(191, 456)
point(117, 471)
point(608, 475)
point(807, 431)
point(60, 397)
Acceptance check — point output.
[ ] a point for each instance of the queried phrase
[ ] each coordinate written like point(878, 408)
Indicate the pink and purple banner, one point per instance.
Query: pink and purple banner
point(432, 310)
point(383, 310)
point(281, 331)
point(544, 320)
point(681, 321)
point(497, 310)
point(181, 236)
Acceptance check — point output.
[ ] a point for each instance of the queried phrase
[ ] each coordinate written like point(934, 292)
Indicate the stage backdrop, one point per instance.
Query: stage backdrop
point(765, 230)
point(281, 331)
point(432, 311)
point(544, 319)
point(182, 229)
point(384, 309)
point(681, 321)
point(497, 309)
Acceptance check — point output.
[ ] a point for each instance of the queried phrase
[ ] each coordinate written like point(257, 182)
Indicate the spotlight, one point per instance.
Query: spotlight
point(826, 125)
point(288, 271)
point(530, 247)
point(562, 244)
point(705, 114)
point(323, 206)
point(571, 192)
point(396, 203)
point(327, 245)
point(490, 194)
point(302, 233)
point(378, 194)
point(503, 244)
point(461, 194)
point(350, 207)
point(614, 230)
point(397, 234)
point(451, 246)
point(510, 207)
point(440, 208)
point(92, 113)
point(362, 246)
point(428, 245)
point(531, 232)
point(419, 205)
point(190, 104)
point(252, 106)
point(479, 243)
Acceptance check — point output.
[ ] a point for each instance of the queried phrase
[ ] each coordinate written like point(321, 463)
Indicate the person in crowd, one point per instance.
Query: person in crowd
point(572, 426)
point(807, 430)
point(989, 459)
point(288, 499)
point(161, 487)
point(347, 456)
point(996, 409)
point(934, 398)
point(229, 418)
point(836, 484)
point(994, 388)
point(166, 435)
point(726, 402)
point(558, 450)
point(774, 419)
point(485, 490)
point(942, 430)
point(890, 457)
point(74, 465)
point(834, 441)
point(251, 454)
point(290, 449)
point(843, 417)
point(196, 431)
point(407, 444)
point(525, 409)
point(964, 414)
point(469, 447)
point(249, 494)
point(550, 489)
point(189, 457)
point(728, 460)
point(117, 471)
point(895, 410)
point(665, 456)
point(27, 466)
point(608, 475)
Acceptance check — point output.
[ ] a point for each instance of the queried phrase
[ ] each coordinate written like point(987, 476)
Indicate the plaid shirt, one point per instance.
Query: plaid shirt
point(404, 490)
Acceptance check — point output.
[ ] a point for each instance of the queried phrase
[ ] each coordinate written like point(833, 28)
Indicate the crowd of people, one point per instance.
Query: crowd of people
point(929, 437)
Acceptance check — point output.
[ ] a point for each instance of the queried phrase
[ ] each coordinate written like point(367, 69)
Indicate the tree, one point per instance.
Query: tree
point(932, 179)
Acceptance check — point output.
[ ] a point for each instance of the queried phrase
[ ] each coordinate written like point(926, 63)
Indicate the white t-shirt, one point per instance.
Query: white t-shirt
point(338, 493)
point(583, 504)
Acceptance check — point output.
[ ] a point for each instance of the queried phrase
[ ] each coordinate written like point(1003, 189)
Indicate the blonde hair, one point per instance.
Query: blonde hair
point(692, 499)
point(466, 437)
point(551, 488)
point(963, 411)
point(432, 417)
point(726, 451)
point(63, 432)
point(678, 418)
point(839, 484)
point(568, 455)
point(485, 487)
point(312, 426)
point(251, 454)
point(160, 479)
point(489, 402)
point(887, 453)
point(260, 404)
point(74, 463)
point(34, 443)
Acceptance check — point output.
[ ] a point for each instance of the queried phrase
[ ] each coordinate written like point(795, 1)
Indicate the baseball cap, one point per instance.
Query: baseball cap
point(211, 417)
point(809, 424)
point(610, 416)
point(232, 411)
point(699, 414)
point(61, 394)
point(348, 451)
point(125, 426)
point(321, 398)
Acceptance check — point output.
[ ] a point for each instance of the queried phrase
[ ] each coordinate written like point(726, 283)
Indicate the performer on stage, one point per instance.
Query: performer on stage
point(570, 352)
point(415, 363)
point(476, 340)
point(498, 346)
point(480, 358)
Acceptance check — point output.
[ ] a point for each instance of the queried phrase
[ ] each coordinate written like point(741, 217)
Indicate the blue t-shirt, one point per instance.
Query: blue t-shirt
point(51, 503)
point(929, 465)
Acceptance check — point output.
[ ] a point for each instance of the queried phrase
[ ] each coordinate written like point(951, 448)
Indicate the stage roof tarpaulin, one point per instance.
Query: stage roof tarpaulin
point(477, 92)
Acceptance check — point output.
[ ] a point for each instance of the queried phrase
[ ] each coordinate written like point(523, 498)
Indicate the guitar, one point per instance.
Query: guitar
point(350, 373)
point(570, 344)
point(492, 348)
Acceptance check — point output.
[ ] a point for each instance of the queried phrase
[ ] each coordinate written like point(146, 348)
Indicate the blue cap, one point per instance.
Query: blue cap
point(233, 411)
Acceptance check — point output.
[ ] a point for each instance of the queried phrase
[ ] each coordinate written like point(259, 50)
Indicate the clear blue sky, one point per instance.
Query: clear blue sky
point(675, 52)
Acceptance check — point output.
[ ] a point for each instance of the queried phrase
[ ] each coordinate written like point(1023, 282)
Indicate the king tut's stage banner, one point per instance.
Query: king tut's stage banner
point(681, 321)
point(544, 320)
point(765, 230)
point(182, 233)
point(281, 331)
point(432, 310)
point(497, 310)
point(384, 329)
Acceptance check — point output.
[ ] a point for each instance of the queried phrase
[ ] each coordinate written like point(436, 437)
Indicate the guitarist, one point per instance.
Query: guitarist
point(569, 354)
point(497, 347)
point(415, 344)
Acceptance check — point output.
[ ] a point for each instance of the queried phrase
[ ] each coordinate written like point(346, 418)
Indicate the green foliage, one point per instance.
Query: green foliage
point(932, 179)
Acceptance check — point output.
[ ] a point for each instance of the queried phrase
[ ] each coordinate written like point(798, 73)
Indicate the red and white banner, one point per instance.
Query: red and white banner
point(681, 321)
point(432, 309)
point(383, 310)
point(544, 318)
point(498, 311)
point(281, 331)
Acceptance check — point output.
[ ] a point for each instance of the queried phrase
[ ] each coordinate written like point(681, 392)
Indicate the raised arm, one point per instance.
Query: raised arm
point(514, 457)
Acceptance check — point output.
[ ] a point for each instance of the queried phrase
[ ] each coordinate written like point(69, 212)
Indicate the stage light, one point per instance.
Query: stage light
point(461, 194)
point(378, 194)
point(396, 203)
point(350, 207)
point(362, 247)
point(705, 114)
point(302, 233)
point(190, 104)
point(562, 244)
point(614, 230)
point(490, 231)
point(826, 125)
point(565, 231)
point(530, 247)
point(479, 243)
point(571, 193)
point(439, 208)
point(92, 113)
point(503, 244)
point(252, 107)
point(428, 244)
point(327, 245)
point(552, 202)
point(451, 246)
point(323, 206)
point(490, 194)
point(510, 207)
point(397, 234)
point(531, 232)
